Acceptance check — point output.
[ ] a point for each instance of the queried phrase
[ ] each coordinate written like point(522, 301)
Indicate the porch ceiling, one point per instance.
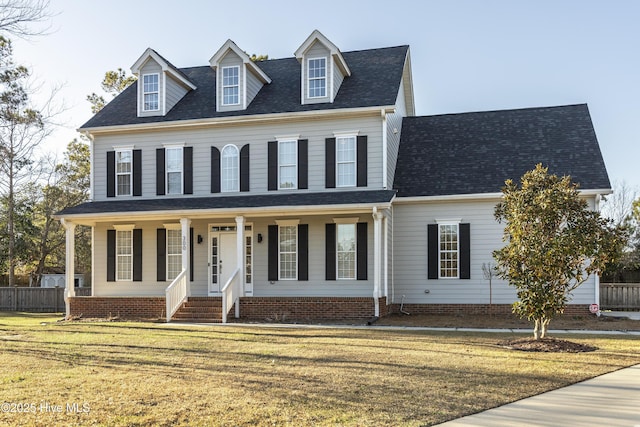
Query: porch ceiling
point(232, 205)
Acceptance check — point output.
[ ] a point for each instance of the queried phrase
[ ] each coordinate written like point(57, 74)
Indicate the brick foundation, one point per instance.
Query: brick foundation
point(307, 309)
point(458, 309)
point(122, 307)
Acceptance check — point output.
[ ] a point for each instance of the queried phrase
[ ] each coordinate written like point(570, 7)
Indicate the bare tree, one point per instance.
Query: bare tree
point(619, 205)
point(17, 16)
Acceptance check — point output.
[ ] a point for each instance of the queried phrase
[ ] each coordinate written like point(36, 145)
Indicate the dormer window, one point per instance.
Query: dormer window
point(150, 92)
point(231, 85)
point(317, 76)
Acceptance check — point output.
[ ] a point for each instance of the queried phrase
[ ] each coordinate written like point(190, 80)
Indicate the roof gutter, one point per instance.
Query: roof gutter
point(482, 196)
point(252, 119)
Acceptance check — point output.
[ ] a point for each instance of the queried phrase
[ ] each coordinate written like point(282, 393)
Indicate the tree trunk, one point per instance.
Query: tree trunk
point(536, 328)
point(545, 324)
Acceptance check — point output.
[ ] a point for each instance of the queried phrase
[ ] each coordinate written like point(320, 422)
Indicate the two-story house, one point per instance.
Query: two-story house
point(305, 188)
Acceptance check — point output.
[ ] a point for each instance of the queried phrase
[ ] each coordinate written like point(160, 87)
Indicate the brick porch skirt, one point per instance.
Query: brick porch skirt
point(285, 309)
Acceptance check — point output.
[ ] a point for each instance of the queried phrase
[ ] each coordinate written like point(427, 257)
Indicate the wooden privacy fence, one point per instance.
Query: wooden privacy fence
point(36, 299)
point(620, 296)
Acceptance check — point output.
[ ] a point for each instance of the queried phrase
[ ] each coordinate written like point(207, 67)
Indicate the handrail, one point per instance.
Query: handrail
point(176, 294)
point(230, 295)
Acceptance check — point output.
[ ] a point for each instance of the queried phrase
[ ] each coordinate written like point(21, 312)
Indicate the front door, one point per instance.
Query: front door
point(223, 259)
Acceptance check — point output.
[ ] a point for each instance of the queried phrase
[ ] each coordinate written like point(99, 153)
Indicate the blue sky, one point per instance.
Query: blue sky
point(466, 55)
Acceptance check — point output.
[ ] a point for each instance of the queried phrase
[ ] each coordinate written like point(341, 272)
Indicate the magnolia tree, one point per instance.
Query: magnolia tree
point(554, 242)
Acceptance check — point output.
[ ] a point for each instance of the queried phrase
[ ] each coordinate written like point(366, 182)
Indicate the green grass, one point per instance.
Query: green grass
point(139, 374)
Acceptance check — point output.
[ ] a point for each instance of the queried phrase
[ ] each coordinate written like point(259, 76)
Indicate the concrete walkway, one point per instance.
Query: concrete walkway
point(610, 400)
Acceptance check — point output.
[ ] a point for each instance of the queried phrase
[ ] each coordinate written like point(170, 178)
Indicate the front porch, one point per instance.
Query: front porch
point(251, 309)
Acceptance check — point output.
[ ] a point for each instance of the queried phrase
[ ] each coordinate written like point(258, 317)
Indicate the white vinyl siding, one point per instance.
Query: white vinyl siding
point(124, 169)
point(230, 169)
point(288, 252)
point(174, 159)
point(287, 164)
point(174, 253)
point(346, 251)
point(151, 92)
point(124, 255)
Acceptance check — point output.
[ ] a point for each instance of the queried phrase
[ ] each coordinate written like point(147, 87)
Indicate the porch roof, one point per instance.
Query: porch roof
point(293, 200)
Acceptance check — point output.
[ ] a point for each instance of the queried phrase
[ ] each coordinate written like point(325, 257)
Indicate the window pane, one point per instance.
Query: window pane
point(288, 252)
point(230, 171)
point(174, 183)
point(346, 251)
point(174, 253)
point(317, 79)
point(346, 161)
point(124, 252)
point(124, 185)
point(174, 170)
point(448, 250)
point(287, 161)
point(230, 85)
point(150, 91)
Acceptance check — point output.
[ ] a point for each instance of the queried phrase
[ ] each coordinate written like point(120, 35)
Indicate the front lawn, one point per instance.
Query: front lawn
point(140, 374)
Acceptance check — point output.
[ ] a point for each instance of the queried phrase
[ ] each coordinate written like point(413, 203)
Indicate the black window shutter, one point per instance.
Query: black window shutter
point(111, 255)
point(330, 163)
point(161, 258)
point(191, 263)
point(303, 252)
point(432, 251)
point(111, 174)
point(272, 157)
point(362, 161)
point(330, 252)
point(137, 255)
point(303, 161)
point(361, 230)
point(215, 170)
point(244, 168)
point(160, 172)
point(273, 253)
point(137, 172)
point(187, 158)
point(465, 251)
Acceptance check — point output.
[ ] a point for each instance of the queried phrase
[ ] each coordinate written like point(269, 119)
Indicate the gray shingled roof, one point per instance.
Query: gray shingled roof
point(375, 81)
point(474, 153)
point(334, 198)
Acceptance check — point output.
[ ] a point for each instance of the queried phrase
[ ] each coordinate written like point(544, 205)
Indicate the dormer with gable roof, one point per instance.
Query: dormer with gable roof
point(160, 84)
point(238, 79)
point(323, 69)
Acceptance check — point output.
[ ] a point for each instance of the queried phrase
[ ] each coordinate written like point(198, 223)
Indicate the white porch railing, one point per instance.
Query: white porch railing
point(176, 294)
point(230, 295)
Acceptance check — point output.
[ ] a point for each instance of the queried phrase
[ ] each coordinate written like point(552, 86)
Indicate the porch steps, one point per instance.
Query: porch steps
point(200, 309)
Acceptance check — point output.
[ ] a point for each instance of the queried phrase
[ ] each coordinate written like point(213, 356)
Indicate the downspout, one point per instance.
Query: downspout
point(385, 174)
point(596, 292)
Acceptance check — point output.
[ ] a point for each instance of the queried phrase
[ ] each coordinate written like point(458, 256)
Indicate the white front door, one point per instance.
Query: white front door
point(223, 259)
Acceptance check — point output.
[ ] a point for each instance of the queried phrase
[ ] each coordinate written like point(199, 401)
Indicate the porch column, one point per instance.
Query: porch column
point(240, 259)
point(69, 269)
point(185, 223)
point(377, 258)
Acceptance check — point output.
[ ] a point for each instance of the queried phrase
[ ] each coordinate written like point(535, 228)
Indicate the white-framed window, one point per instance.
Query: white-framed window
point(124, 171)
point(287, 164)
point(346, 161)
point(230, 169)
point(174, 159)
point(287, 251)
point(174, 253)
point(124, 255)
point(448, 250)
point(317, 77)
point(346, 251)
point(231, 85)
point(150, 92)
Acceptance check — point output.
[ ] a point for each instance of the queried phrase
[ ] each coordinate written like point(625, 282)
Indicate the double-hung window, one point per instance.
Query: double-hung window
point(124, 255)
point(288, 252)
point(287, 164)
point(150, 92)
point(317, 77)
point(230, 85)
point(346, 161)
point(346, 251)
point(174, 159)
point(174, 253)
point(448, 250)
point(230, 169)
point(124, 170)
